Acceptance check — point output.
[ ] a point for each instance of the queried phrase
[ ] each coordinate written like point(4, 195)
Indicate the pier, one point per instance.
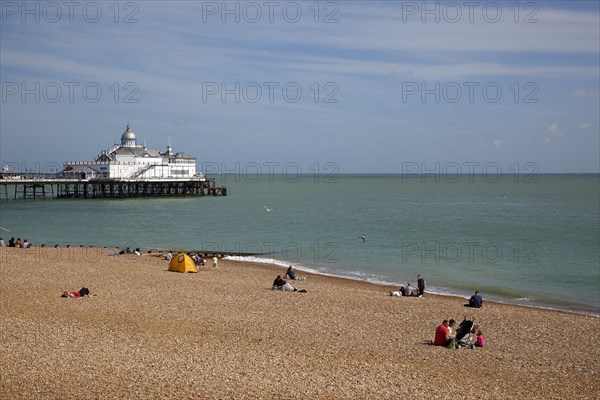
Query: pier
point(54, 187)
point(125, 170)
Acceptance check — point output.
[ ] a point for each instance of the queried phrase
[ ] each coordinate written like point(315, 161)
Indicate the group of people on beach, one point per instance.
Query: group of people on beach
point(445, 335)
point(280, 284)
point(410, 290)
point(198, 259)
point(24, 244)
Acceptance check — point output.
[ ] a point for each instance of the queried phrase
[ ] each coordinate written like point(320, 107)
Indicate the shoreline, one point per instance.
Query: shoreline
point(223, 333)
point(312, 270)
point(492, 299)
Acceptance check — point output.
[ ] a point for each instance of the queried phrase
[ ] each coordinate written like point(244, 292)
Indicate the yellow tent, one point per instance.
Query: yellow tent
point(182, 263)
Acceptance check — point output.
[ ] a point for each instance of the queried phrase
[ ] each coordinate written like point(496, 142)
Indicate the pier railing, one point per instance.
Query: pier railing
point(53, 186)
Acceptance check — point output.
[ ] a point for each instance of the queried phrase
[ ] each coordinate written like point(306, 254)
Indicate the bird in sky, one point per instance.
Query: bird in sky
point(363, 238)
point(268, 209)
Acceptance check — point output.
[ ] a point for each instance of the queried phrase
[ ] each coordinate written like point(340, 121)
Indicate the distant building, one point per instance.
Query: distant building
point(132, 161)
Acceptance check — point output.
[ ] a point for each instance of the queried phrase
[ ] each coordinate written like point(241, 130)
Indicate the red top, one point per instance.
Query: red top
point(441, 333)
point(480, 341)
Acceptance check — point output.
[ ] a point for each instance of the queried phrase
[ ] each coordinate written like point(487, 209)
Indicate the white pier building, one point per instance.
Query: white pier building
point(132, 161)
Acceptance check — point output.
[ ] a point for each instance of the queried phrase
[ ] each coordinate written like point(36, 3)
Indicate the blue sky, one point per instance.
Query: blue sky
point(382, 84)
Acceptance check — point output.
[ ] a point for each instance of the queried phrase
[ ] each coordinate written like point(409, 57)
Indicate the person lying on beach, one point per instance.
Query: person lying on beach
point(398, 293)
point(83, 292)
point(126, 250)
point(280, 284)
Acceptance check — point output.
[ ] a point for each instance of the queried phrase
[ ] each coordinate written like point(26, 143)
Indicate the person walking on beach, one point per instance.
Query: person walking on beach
point(215, 262)
point(420, 285)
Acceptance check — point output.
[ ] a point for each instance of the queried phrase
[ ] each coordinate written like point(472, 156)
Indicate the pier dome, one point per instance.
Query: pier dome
point(128, 138)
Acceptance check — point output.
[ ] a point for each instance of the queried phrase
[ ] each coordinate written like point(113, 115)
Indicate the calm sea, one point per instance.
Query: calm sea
point(525, 241)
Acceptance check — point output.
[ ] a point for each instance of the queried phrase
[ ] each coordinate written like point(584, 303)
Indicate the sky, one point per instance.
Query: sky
point(329, 86)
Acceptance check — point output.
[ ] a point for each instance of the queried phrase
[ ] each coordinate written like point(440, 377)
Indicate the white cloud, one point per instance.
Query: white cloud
point(582, 94)
point(584, 126)
point(369, 54)
point(555, 130)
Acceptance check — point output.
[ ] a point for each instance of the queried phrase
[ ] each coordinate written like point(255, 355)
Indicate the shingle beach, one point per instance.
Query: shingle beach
point(147, 333)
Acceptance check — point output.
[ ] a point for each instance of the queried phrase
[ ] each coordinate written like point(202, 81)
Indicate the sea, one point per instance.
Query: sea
point(532, 241)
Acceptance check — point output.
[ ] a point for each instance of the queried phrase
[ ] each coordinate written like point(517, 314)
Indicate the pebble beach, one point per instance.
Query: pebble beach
point(147, 333)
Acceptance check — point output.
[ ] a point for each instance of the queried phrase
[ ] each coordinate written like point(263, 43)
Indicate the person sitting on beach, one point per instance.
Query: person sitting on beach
point(442, 336)
point(83, 292)
point(475, 301)
point(11, 242)
point(196, 259)
point(169, 256)
point(18, 243)
point(1, 242)
point(409, 290)
point(452, 329)
point(291, 274)
point(26, 244)
point(479, 341)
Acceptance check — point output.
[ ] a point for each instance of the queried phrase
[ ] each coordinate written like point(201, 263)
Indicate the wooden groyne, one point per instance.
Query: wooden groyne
point(203, 253)
point(38, 188)
point(75, 249)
